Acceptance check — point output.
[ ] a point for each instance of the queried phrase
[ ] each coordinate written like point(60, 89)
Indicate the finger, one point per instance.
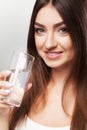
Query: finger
point(3, 105)
point(5, 84)
point(4, 74)
point(4, 92)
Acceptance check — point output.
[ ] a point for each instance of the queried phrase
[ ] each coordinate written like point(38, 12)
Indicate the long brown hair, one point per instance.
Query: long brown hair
point(73, 13)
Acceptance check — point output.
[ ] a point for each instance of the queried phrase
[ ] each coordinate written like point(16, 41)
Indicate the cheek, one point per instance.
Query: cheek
point(66, 42)
point(69, 48)
point(70, 45)
point(39, 41)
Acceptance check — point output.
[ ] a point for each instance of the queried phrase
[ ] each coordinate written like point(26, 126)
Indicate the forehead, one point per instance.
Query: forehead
point(48, 14)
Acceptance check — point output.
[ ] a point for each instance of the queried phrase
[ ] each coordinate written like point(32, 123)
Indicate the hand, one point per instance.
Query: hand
point(4, 91)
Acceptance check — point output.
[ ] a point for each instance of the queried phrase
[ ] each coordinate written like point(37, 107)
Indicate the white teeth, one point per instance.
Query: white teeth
point(52, 54)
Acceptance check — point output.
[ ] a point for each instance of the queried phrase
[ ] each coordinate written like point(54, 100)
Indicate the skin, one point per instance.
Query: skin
point(52, 39)
point(5, 109)
point(55, 46)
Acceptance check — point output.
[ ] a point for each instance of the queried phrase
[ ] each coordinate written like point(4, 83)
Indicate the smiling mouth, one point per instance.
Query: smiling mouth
point(53, 55)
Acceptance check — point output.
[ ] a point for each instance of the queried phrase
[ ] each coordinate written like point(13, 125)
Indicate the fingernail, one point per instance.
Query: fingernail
point(8, 72)
point(6, 91)
point(9, 84)
point(11, 106)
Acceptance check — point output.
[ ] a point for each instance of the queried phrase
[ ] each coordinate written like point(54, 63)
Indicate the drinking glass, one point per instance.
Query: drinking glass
point(20, 66)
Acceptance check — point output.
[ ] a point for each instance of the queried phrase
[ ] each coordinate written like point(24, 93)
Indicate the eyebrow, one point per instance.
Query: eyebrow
point(55, 25)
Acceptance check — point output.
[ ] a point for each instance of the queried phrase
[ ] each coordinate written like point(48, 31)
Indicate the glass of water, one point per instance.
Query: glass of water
point(20, 66)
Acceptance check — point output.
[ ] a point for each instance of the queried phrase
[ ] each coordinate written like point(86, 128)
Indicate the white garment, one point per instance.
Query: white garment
point(31, 125)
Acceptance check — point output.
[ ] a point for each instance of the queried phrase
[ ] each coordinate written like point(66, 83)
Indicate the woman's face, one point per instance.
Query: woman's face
point(52, 38)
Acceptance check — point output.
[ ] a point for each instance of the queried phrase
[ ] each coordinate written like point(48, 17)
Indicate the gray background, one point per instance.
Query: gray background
point(14, 23)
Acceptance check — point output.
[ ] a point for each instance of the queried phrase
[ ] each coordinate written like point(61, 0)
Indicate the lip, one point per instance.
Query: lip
point(53, 55)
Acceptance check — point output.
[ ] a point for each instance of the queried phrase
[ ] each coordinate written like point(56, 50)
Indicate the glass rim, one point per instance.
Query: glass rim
point(25, 53)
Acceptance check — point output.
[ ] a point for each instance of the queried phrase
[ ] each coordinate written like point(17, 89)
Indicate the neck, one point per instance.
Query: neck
point(60, 74)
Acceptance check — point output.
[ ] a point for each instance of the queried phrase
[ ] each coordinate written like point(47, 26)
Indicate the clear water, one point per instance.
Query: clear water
point(18, 79)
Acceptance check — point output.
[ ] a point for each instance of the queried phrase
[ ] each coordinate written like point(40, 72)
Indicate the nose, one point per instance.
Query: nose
point(50, 41)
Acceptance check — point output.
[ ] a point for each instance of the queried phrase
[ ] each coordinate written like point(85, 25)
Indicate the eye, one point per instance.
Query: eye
point(63, 30)
point(39, 30)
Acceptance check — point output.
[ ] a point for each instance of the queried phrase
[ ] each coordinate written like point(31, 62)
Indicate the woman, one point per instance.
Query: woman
point(57, 99)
